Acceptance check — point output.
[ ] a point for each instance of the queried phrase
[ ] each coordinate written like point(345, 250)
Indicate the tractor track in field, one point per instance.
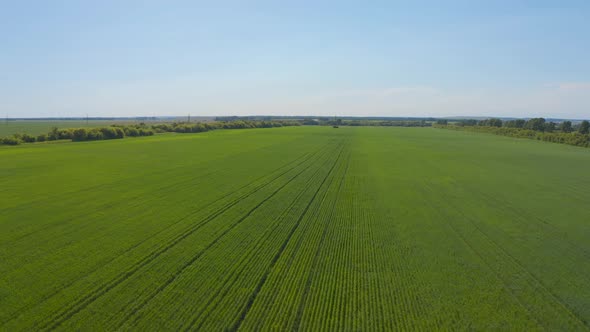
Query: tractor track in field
point(171, 170)
point(262, 281)
point(496, 275)
point(311, 228)
point(516, 209)
point(516, 262)
point(310, 276)
point(119, 182)
point(294, 250)
point(80, 304)
point(109, 205)
point(207, 219)
point(541, 223)
point(532, 280)
point(222, 291)
point(94, 187)
point(193, 259)
point(552, 299)
point(487, 264)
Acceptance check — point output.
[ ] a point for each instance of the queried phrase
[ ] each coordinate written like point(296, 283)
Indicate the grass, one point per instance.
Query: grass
point(296, 228)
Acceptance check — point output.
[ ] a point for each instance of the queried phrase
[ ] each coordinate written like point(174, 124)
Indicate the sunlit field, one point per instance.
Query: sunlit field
point(310, 228)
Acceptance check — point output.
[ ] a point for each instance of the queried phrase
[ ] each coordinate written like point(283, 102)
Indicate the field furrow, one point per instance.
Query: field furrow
point(219, 238)
point(82, 303)
point(306, 228)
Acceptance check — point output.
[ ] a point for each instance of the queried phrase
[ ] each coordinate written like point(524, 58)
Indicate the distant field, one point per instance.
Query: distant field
point(36, 127)
point(304, 228)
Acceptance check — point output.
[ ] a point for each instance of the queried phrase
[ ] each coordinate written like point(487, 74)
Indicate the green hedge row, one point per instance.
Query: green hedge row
point(80, 134)
point(183, 127)
point(120, 131)
point(574, 138)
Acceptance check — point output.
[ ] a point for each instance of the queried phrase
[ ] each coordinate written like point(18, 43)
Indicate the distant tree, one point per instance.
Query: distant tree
point(469, 122)
point(566, 127)
point(549, 127)
point(149, 132)
point(130, 131)
point(490, 123)
point(519, 123)
point(495, 123)
point(95, 134)
point(65, 133)
point(53, 134)
point(510, 124)
point(443, 122)
point(310, 122)
point(11, 141)
point(584, 127)
point(112, 132)
point(537, 124)
point(28, 138)
point(80, 134)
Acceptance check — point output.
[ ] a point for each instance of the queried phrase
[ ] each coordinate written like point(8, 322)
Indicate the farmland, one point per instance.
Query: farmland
point(308, 228)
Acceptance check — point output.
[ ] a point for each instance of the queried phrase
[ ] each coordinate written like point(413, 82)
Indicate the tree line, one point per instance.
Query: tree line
point(537, 128)
point(198, 127)
point(366, 123)
point(122, 131)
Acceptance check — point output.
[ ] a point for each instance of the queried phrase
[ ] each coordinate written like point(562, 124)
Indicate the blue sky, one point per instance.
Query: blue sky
point(391, 58)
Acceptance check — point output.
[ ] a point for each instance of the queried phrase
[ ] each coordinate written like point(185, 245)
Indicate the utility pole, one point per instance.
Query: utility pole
point(86, 119)
point(189, 118)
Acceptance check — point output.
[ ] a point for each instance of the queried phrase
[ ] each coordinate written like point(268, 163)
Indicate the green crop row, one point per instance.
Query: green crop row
point(299, 228)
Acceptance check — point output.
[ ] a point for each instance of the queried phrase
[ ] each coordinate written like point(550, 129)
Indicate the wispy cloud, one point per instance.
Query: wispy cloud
point(569, 86)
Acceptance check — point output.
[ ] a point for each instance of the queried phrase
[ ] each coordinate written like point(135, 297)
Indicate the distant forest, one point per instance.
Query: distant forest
point(541, 129)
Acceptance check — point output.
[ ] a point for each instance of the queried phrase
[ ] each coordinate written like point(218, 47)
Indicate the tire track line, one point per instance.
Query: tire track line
point(487, 264)
point(168, 282)
point(224, 208)
point(222, 292)
point(541, 222)
point(92, 188)
point(86, 300)
point(171, 170)
point(262, 281)
point(532, 277)
point(111, 204)
point(520, 266)
point(306, 288)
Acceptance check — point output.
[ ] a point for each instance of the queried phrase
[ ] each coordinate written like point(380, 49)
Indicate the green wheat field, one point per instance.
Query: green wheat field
point(296, 228)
